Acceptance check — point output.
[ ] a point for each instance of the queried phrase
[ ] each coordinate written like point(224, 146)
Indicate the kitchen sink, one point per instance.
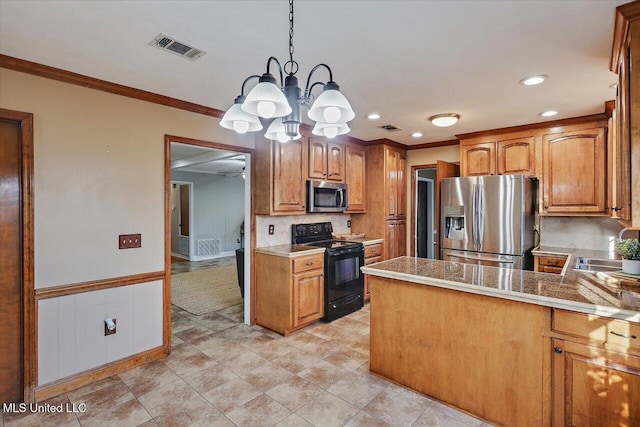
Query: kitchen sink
point(598, 264)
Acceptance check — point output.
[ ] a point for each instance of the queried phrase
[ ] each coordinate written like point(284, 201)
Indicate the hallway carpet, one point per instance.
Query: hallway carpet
point(204, 291)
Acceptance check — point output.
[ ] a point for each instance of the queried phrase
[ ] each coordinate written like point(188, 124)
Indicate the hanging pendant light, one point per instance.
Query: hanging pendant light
point(331, 110)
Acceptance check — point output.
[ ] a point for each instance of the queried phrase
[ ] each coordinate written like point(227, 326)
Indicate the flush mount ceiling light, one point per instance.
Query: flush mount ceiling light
point(444, 120)
point(548, 113)
point(534, 80)
point(269, 100)
point(373, 116)
point(416, 134)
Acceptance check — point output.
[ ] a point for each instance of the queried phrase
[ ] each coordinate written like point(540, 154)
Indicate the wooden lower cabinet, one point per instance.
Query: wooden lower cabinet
point(372, 254)
point(549, 264)
point(594, 387)
point(289, 291)
point(395, 239)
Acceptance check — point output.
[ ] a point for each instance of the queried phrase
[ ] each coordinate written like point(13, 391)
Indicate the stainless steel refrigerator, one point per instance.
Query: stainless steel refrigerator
point(489, 220)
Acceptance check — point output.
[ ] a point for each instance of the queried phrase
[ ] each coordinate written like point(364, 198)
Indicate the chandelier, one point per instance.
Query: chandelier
point(331, 111)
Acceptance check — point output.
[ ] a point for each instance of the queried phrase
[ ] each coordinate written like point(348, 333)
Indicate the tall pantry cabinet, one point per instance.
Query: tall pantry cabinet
point(386, 215)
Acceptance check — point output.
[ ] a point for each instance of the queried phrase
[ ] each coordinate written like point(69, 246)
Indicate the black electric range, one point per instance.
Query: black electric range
point(343, 280)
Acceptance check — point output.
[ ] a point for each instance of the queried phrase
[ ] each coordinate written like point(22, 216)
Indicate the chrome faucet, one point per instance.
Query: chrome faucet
point(621, 233)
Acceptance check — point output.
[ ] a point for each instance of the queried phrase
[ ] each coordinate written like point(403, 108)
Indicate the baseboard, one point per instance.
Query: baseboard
point(91, 376)
point(220, 255)
point(177, 255)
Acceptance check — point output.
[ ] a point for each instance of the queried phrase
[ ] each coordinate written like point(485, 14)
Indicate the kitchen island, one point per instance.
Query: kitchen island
point(513, 347)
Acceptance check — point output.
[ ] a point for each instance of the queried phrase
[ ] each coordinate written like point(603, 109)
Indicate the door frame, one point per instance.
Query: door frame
point(430, 192)
point(29, 313)
point(249, 299)
point(414, 189)
point(191, 224)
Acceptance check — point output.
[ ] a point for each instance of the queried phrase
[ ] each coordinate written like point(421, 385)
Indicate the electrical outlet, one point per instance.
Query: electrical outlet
point(272, 228)
point(128, 241)
point(106, 329)
point(348, 223)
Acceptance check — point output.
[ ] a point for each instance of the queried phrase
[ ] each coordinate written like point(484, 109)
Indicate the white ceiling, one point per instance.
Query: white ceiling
point(192, 158)
point(405, 60)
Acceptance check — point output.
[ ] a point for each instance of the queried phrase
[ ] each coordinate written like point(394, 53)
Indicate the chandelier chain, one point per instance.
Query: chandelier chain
point(291, 66)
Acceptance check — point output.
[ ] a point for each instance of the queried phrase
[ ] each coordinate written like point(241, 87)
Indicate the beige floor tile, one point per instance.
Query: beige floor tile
point(180, 323)
point(195, 331)
point(358, 390)
point(362, 419)
point(193, 413)
point(322, 330)
point(301, 338)
point(236, 333)
point(297, 360)
point(130, 413)
point(295, 392)
point(352, 326)
point(158, 400)
point(218, 348)
point(261, 411)
point(438, 414)
point(347, 359)
point(272, 349)
point(76, 394)
point(395, 408)
point(216, 322)
point(186, 359)
point(327, 410)
point(324, 374)
point(148, 377)
point(175, 341)
point(320, 348)
point(235, 313)
point(231, 395)
point(150, 423)
point(45, 419)
point(267, 376)
point(244, 363)
point(294, 420)
point(209, 378)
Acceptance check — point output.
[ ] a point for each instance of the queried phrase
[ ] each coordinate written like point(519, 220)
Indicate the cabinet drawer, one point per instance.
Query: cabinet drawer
point(552, 261)
point(307, 263)
point(549, 269)
point(373, 250)
point(372, 260)
point(598, 329)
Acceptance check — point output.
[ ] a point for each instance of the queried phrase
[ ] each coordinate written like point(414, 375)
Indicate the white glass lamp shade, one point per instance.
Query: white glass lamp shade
point(277, 132)
point(444, 120)
point(331, 107)
point(266, 100)
point(239, 121)
point(330, 130)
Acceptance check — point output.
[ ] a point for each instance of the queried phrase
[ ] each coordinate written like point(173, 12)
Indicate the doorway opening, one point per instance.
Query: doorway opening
point(426, 229)
point(208, 206)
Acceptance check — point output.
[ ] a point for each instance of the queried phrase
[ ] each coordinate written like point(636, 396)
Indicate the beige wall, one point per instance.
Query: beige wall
point(99, 172)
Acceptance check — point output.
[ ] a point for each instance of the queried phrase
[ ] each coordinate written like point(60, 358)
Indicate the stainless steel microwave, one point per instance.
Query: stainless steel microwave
point(325, 196)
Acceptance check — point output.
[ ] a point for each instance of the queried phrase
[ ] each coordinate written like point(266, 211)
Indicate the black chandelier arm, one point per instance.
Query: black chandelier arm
point(273, 58)
point(306, 89)
point(255, 76)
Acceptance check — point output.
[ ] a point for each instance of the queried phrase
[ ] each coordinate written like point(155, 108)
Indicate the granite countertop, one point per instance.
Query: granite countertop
point(290, 251)
point(572, 253)
point(366, 240)
point(577, 291)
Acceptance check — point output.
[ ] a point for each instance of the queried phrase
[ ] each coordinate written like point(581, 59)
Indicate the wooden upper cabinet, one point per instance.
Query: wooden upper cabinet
point(355, 177)
point(516, 156)
point(326, 160)
point(574, 167)
point(478, 159)
point(401, 182)
point(289, 193)
point(391, 171)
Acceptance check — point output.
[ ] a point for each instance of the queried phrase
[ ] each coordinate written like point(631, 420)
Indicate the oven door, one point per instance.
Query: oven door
point(343, 275)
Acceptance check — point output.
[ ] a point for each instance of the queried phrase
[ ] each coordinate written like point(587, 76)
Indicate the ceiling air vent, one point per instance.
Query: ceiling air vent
point(178, 48)
point(390, 128)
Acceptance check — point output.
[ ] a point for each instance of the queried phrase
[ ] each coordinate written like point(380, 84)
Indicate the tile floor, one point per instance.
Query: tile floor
point(224, 373)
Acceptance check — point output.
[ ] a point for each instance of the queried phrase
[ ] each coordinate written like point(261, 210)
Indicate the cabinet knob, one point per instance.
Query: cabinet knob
point(546, 207)
point(615, 208)
point(558, 350)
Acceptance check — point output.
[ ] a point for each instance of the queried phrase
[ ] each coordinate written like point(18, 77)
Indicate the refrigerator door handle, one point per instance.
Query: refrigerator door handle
point(480, 215)
point(474, 210)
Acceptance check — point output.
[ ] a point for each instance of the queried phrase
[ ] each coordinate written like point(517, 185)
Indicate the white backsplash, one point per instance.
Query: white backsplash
point(282, 226)
point(594, 233)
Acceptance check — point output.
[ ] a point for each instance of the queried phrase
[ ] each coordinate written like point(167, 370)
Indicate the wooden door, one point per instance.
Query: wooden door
point(391, 184)
point(594, 387)
point(517, 156)
point(444, 170)
point(355, 170)
point(317, 159)
point(401, 185)
point(308, 297)
point(289, 176)
point(335, 162)
point(574, 167)
point(184, 209)
point(11, 286)
point(478, 159)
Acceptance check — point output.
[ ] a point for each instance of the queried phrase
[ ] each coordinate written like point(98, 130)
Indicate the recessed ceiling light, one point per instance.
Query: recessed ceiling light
point(534, 80)
point(416, 134)
point(548, 113)
point(373, 116)
point(444, 120)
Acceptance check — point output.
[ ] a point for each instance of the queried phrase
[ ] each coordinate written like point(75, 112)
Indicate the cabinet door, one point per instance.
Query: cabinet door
point(289, 176)
point(395, 239)
point(317, 159)
point(367, 289)
point(478, 159)
point(401, 187)
point(391, 190)
point(401, 238)
point(308, 297)
point(594, 387)
point(623, 140)
point(517, 156)
point(355, 178)
point(575, 175)
point(335, 162)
